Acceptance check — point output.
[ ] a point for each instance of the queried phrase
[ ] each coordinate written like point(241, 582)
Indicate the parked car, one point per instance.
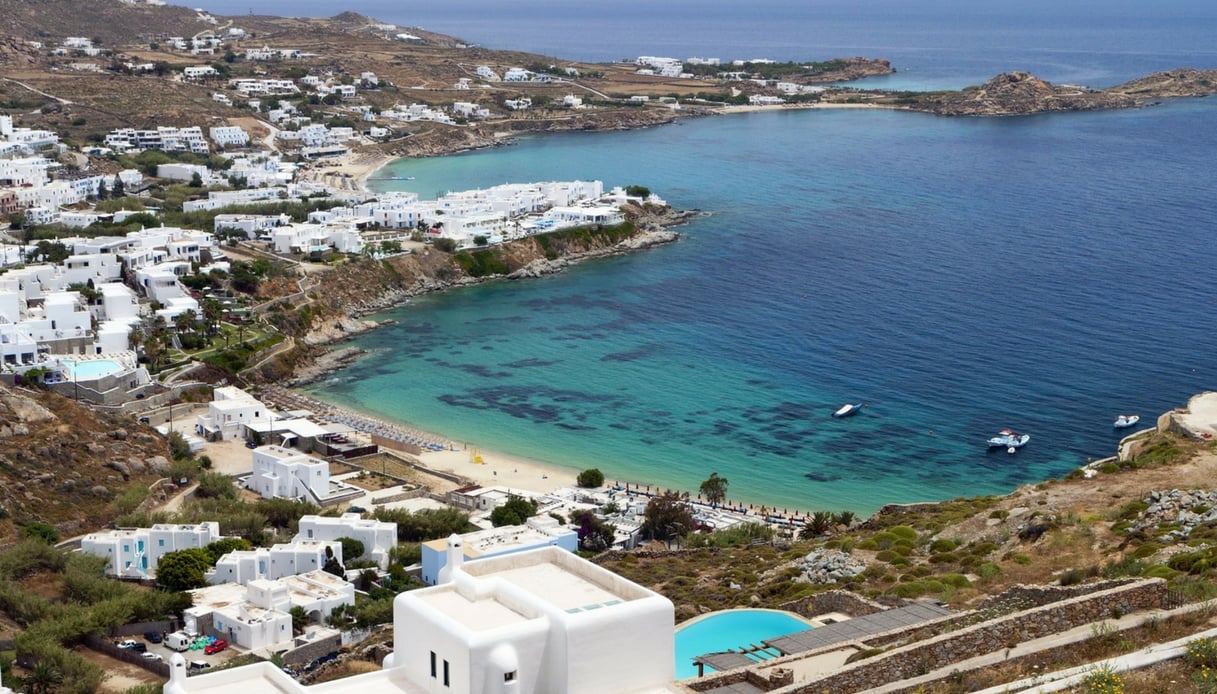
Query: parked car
point(139, 647)
point(250, 445)
point(178, 641)
point(219, 645)
point(199, 665)
point(152, 636)
point(127, 643)
point(152, 656)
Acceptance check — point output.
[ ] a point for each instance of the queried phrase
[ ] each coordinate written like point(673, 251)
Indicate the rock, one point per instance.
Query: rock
point(120, 467)
point(828, 566)
point(95, 449)
point(101, 491)
point(158, 464)
point(119, 434)
point(24, 409)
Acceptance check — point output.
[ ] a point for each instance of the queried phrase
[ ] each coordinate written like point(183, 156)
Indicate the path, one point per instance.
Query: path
point(36, 91)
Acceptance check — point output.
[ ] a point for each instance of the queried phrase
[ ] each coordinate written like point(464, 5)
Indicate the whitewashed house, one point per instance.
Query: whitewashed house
point(272, 563)
point(228, 413)
point(136, 552)
point(229, 136)
point(378, 537)
point(526, 623)
point(287, 474)
point(258, 614)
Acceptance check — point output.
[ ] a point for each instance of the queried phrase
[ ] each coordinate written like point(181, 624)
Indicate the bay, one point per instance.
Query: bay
point(959, 275)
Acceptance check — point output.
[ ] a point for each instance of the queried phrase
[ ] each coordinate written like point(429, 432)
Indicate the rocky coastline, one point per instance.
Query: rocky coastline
point(347, 297)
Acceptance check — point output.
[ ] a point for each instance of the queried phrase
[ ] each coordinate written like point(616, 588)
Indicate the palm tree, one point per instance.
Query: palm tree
point(44, 678)
point(186, 321)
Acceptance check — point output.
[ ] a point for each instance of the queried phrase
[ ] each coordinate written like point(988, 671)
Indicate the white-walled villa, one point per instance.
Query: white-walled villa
point(538, 622)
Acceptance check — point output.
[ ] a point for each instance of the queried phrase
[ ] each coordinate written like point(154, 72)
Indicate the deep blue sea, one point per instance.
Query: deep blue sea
point(959, 275)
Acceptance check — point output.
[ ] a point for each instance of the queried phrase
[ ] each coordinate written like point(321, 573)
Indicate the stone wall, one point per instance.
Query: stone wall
point(851, 604)
point(987, 637)
point(1028, 596)
point(312, 650)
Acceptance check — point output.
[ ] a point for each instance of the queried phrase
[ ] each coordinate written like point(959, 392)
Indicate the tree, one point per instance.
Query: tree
point(183, 569)
point(196, 181)
point(223, 546)
point(668, 516)
point(186, 321)
point(44, 678)
point(444, 244)
point(120, 188)
point(352, 549)
point(515, 511)
point(591, 478)
point(638, 191)
point(215, 485)
point(299, 619)
point(331, 563)
point(819, 524)
point(102, 191)
point(594, 534)
point(480, 240)
point(714, 489)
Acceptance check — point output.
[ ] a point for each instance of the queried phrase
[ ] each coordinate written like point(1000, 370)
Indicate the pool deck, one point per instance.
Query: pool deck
point(856, 629)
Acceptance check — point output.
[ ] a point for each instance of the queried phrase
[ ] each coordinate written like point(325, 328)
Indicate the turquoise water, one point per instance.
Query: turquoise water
point(959, 275)
point(95, 368)
point(730, 630)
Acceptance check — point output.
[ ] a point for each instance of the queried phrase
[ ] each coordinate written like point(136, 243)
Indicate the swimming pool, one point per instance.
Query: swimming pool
point(727, 630)
point(94, 368)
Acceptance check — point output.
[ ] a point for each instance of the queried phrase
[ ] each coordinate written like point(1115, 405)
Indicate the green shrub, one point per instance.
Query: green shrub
point(904, 533)
point(942, 545)
point(1202, 653)
point(988, 570)
point(955, 580)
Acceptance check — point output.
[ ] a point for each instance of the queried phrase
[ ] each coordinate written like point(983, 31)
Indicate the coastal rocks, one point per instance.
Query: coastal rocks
point(1183, 510)
point(828, 566)
point(326, 364)
point(1020, 93)
point(1184, 81)
point(334, 329)
point(539, 268)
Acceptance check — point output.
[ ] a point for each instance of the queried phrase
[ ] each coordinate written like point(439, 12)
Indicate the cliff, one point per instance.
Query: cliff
point(1184, 81)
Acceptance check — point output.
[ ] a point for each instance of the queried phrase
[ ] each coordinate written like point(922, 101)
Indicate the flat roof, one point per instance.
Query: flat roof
point(476, 615)
point(559, 587)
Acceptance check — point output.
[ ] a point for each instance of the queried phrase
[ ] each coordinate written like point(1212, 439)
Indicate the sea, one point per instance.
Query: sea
point(958, 275)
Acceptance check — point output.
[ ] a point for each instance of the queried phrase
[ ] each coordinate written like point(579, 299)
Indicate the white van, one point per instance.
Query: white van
point(178, 641)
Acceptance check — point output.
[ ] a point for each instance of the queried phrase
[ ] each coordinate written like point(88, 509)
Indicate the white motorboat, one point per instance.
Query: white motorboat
point(848, 410)
point(1009, 440)
point(1126, 420)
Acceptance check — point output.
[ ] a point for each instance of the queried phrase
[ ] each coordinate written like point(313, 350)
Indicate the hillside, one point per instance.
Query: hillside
point(69, 466)
point(1019, 93)
point(107, 22)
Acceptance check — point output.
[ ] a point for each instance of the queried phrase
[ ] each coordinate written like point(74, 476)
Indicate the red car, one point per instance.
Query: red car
point(219, 645)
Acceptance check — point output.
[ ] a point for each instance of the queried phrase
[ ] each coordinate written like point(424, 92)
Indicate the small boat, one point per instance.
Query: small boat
point(1009, 440)
point(1126, 420)
point(848, 410)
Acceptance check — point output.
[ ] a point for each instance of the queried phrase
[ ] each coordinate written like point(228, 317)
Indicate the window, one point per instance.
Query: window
point(446, 673)
point(433, 663)
point(509, 676)
point(160, 543)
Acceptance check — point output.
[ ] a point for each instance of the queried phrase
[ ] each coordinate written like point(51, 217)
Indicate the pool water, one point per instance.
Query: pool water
point(94, 368)
point(730, 630)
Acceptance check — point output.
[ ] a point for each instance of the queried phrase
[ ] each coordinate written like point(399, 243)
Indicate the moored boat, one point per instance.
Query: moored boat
point(1126, 420)
point(848, 410)
point(1009, 440)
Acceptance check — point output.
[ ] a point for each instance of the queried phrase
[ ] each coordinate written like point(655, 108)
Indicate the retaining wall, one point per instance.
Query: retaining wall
point(851, 604)
point(987, 637)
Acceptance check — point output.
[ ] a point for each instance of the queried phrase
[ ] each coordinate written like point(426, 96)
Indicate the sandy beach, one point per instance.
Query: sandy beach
point(499, 469)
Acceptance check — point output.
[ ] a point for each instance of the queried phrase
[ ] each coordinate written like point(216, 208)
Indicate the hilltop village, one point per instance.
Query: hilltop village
point(188, 225)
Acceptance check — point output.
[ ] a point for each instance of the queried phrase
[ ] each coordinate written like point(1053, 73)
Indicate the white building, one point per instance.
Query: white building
point(279, 561)
point(230, 410)
point(229, 135)
point(258, 614)
point(378, 537)
point(136, 552)
point(486, 73)
point(538, 622)
point(538, 531)
point(288, 474)
point(196, 72)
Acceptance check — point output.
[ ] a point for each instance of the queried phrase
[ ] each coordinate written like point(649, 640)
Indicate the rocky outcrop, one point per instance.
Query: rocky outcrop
point(828, 566)
point(1184, 81)
point(1185, 509)
point(1019, 93)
